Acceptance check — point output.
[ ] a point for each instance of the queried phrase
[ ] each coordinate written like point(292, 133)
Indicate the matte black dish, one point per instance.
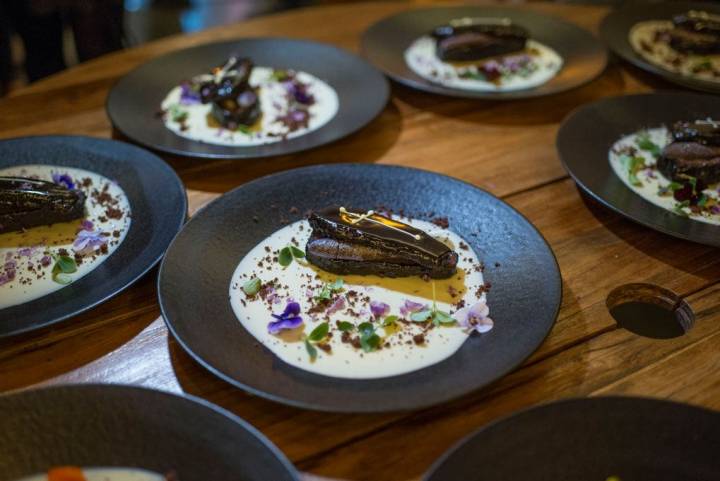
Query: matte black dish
point(134, 101)
point(615, 28)
point(588, 133)
point(385, 42)
point(590, 439)
point(123, 426)
point(524, 298)
point(158, 203)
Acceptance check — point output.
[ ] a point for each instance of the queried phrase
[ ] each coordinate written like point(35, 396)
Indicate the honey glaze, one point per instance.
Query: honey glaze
point(382, 303)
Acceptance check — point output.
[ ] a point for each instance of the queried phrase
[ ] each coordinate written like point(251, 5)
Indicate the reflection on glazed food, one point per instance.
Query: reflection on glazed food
point(73, 473)
point(689, 44)
point(361, 294)
point(677, 168)
point(57, 225)
point(240, 104)
point(483, 54)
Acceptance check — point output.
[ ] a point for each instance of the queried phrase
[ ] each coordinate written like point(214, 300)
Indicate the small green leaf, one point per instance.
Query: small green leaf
point(279, 75)
point(370, 343)
point(177, 114)
point(345, 326)
point(443, 317)
point(421, 316)
point(389, 320)
point(319, 333)
point(62, 278)
point(66, 264)
point(337, 285)
point(252, 287)
point(366, 328)
point(644, 142)
point(675, 186)
point(311, 350)
point(702, 200)
point(324, 295)
point(285, 257)
point(245, 129)
point(296, 253)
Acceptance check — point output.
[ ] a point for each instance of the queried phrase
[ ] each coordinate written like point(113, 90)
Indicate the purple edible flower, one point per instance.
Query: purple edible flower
point(409, 307)
point(45, 261)
point(289, 319)
point(379, 309)
point(337, 305)
point(88, 242)
point(64, 180)
point(299, 92)
point(475, 317)
point(86, 225)
point(26, 251)
point(8, 273)
point(188, 96)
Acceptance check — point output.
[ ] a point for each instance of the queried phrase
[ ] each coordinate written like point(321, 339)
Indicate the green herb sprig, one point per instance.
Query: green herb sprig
point(329, 289)
point(252, 287)
point(64, 266)
point(288, 254)
point(433, 314)
point(316, 335)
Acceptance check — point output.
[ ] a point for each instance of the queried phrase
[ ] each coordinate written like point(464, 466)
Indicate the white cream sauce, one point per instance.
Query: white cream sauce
point(642, 40)
point(108, 474)
point(27, 249)
point(423, 60)
point(273, 102)
point(651, 180)
point(402, 355)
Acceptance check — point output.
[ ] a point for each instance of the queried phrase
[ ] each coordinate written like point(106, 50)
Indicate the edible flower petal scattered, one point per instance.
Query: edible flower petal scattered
point(379, 309)
point(63, 179)
point(88, 241)
point(409, 307)
point(289, 319)
point(337, 305)
point(475, 317)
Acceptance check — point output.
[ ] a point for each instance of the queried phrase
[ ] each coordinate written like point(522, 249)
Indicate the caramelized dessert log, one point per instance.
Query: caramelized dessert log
point(694, 152)
point(345, 242)
point(696, 33)
point(26, 203)
point(473, 39)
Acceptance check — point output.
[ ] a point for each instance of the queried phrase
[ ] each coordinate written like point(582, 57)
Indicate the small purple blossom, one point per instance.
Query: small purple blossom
point(409, 307)
point(379, 309)
point(337, 305)
point(8, 273)
point(63, 179)
point(289, 319)
point(188, 96)
point(88, 242)
point(299, 92)
point(26, 251)
point(475, 317)
point(86, 225)
point(45, 261)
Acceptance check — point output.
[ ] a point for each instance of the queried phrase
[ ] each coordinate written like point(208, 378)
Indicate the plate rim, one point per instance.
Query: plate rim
point(208, 157)
point(427, 87)
point(371, 409)
point(65, 317)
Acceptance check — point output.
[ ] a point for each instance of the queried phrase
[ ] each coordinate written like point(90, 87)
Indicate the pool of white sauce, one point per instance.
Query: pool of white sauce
point(43, 239)
point(346, 361)
point(422, 59)
point(108, 474)
point(651, 183)
point(642, 35)
point(272, 101)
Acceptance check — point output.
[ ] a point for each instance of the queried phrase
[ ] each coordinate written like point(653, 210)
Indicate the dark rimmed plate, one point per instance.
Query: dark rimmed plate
point(385, 42)
point(134, 101)
point(588, 133)
point(194, 295)
point(124, 426)
point(157, 201)
point(634, 439)
point(615, 28)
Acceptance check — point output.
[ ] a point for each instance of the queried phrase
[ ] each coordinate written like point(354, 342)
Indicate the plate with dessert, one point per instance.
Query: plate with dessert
point(680, 41)
point(80, 220)
point(252, 97)
point(483, 52)
point(654, 158)
point(598, 438)
point(359, 288)
point(123, 433)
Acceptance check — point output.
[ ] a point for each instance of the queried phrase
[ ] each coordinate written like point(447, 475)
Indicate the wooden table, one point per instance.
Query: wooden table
point(507, 148)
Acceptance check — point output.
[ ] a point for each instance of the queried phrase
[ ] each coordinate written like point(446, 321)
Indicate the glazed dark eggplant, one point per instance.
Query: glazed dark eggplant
point(26, 203)
point(694, 152)
point(466, 41)
point(696, 33)
point(377, 245)
point(243, 109)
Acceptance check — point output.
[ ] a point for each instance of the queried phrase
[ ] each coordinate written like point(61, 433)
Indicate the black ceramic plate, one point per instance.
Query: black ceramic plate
point(591, 440)
point(123, 426)
point(385, 42)
point(588, 133)
point(615, 27)
point(157, 201)
point(194, 294)
point(134, 101)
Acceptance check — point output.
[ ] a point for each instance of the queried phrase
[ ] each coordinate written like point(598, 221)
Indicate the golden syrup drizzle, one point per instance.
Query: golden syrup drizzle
point(62, 233)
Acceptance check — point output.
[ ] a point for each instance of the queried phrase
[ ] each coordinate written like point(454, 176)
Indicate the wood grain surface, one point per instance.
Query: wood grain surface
point(507, 148)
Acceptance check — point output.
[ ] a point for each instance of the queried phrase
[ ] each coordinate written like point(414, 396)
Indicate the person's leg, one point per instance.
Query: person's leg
point(97, 25)
point(41, 33)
